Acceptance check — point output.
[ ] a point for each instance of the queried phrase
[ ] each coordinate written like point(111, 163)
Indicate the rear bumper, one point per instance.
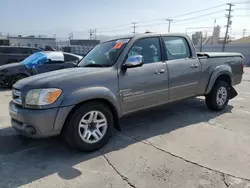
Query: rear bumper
point(237, 79)
point(38, 123)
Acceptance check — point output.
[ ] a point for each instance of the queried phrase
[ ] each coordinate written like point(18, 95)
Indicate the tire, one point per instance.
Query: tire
point(14, 79)
point(75, 130)
point(220, 89)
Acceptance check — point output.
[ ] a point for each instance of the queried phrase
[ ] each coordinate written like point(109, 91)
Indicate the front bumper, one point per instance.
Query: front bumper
point(37, 123)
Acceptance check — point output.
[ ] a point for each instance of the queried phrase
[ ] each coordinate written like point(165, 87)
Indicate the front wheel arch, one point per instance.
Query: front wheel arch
point(104, 102)
point(75, 139)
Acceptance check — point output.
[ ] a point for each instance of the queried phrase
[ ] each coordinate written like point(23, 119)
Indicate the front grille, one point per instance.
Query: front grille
point(16, 96)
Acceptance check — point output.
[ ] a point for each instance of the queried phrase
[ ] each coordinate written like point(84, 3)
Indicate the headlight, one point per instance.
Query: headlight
point(42, 96)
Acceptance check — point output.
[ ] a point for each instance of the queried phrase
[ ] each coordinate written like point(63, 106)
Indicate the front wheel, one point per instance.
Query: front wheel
point(89, 127)
point(218, 97)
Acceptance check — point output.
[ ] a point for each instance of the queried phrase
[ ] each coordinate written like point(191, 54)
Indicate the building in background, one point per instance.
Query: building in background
point(80, 47)
point(200, 38)
point(4, 41)
point(32, 41)
point(216, 35)
point(197, 38)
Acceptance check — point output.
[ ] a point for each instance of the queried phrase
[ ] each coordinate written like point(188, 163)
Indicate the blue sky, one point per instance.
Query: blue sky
point(61, 17)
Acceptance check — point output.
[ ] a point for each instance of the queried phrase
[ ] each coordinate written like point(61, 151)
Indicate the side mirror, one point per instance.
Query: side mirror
point(133, 61)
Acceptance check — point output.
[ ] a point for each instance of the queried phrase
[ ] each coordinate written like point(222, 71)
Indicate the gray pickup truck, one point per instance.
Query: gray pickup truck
point(119, 77)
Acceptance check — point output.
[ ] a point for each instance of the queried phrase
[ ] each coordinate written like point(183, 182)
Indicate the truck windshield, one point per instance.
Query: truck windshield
point(104, 54)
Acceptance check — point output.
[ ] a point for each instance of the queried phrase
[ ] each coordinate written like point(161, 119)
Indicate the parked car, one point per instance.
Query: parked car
point(13, 54)
point(37, 63)
point(117, 78)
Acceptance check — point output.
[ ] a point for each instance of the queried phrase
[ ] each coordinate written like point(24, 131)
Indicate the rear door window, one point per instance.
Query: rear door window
point(176, 48)
point(68, 58)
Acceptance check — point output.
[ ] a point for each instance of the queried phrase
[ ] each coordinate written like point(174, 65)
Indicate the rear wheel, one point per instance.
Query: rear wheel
point(218, 97)
point(89, 127)
point(14, 79)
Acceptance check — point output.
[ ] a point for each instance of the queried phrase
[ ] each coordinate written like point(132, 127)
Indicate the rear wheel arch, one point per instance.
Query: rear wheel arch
point(224, 75)
point(226, 78)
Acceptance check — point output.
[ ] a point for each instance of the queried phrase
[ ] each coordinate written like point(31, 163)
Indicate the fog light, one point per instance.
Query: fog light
point(30, 130)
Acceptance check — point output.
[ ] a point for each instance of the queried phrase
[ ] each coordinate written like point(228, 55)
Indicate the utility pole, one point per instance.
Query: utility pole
point(134, 27)
point(91, 34)
point(95, 33)
point(201, 39)
point(169, 23)
point(244, 32)
point(71, 36)
point(229, 22)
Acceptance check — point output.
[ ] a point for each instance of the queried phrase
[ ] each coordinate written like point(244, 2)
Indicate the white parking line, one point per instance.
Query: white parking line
point(244, 111)
point(244, 93)
point(238, 98)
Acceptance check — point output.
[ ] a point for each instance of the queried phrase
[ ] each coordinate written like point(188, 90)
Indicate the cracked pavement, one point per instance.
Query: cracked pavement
point(178, 145)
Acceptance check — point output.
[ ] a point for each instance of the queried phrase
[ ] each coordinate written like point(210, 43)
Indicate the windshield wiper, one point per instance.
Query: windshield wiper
point(96, 65)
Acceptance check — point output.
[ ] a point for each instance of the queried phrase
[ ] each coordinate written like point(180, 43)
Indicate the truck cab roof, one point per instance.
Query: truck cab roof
point(149, 34)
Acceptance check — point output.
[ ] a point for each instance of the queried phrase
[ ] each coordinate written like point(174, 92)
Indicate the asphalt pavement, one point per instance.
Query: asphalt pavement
point(178, 145)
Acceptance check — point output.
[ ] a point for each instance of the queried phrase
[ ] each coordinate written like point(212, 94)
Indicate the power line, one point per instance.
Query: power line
point(176, 21)
point(114, 28)
point(242, 15)
point(246, 2)
point(242, 9)
point(203, 10)
point(204, 15)
point(160, 19)
point(181, 15)
point(135, 24)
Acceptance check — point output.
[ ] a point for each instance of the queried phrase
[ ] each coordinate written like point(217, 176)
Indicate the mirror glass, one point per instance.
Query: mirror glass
point(134, 61)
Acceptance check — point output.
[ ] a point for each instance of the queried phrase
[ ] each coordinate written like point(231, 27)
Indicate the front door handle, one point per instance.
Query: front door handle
point(194, 65)
point(161, 71)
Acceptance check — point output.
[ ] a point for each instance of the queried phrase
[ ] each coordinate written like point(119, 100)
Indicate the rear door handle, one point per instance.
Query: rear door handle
point(161, 71)
point(194, 65)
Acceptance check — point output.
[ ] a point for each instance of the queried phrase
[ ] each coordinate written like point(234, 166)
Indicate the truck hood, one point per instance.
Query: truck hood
point(59, 78)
